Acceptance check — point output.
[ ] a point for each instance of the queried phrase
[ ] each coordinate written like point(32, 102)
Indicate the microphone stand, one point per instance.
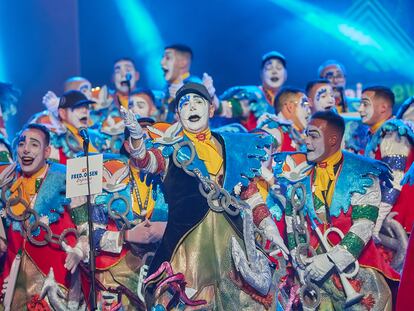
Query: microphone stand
point(92, 263)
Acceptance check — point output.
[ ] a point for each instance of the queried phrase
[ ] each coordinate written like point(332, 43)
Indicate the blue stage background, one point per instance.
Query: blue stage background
point(42, 42)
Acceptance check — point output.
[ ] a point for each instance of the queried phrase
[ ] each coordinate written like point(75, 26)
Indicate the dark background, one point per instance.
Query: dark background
point(43, 42)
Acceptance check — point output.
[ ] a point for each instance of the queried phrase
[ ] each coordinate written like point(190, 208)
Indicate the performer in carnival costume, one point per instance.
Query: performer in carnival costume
point(43, 245)
point(248, 103)
point(334, 198)
point(176, 64)
point(73, 114)
point(130, 217)
point(142, 104)
point(334, 72)
point(292, 111)
point(322, 97)
point(201, 261)
point(50, 116)
point(391, 141)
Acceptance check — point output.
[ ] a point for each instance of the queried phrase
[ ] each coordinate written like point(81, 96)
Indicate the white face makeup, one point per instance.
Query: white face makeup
point(273, 73)
point(122, 70)
point(303, 111)
point(315, 144)
point(169, 65)
point(32, 151)
point(140, 105)
point(324, 98)
point(86, 88)
point(78, 117)
point(366, 110)
point(335, 75)
point(193, 111)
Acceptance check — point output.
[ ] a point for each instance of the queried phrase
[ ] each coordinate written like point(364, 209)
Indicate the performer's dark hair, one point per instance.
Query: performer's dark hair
point(283, 95)
point(382, 92)
point(182, 48)
point(38, 127)
point(332, 118)
point(127, 59)
point(330, 62)
point(312, 83)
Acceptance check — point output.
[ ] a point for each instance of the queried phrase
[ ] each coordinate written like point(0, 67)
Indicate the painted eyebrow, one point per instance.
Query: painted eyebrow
point(35, 140)
point(313, 131)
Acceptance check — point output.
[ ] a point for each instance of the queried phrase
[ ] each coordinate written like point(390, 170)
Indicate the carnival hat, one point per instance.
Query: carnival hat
point(72, 99)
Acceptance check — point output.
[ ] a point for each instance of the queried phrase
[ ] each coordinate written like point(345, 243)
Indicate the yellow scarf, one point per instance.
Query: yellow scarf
point(206, 150)
point(122, 99)
point(75, 133)
point(376, 126)
point(324, 173)
point(144, 192)
point(28, 186)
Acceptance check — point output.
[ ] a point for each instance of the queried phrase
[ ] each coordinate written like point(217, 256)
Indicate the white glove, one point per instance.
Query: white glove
point(384, 210)
point(208, 83)
point(174, 87)
point(74, 256)
point(319, 267)
point(51, 102)
point(271, 232)
point(131, 123)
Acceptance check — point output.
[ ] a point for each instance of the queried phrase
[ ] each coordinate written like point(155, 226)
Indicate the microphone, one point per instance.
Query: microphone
point(83, 132)
point(127, 81)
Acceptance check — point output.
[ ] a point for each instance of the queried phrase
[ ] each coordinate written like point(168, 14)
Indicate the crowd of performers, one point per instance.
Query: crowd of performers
point(263, 198)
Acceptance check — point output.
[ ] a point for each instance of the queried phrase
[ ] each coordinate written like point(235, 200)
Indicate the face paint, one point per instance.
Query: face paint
point(315, 143)
point(366, 109)
point(121, 69)
point(324, 98)
point(78, 116)
point(31, 151)
point(140, 105)
point(86, 89)
point(335, 76)
point(303, 112)
point(193, 111)
point(169, 65)
point(273, 73)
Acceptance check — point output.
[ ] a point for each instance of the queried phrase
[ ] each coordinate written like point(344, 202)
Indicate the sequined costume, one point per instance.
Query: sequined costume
point(127, 199)
point(247, 103)
point(167, 100)
point(392, 142)
point(40, 199)
point(197, 241)
point(348, 200)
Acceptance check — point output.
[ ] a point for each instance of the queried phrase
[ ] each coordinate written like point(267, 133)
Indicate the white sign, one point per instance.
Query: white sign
point(77, 178)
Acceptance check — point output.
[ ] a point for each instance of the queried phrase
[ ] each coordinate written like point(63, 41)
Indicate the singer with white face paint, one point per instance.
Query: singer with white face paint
point(38, 189)
point(249, 103)
point(342, 197)
point(200, 242)
point(73, 115)
point(321, 95)
point(391, 141)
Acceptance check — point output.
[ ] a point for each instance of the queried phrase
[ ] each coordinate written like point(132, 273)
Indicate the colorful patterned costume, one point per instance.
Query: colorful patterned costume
point(248, 103)
point(127, 199)
point(393, 144)
point(41, 273)
point(350, 203)
point(198, 238)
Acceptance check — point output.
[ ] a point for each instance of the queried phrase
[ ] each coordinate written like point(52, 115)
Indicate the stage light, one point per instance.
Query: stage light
point(145, 38)
point(377, 45)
